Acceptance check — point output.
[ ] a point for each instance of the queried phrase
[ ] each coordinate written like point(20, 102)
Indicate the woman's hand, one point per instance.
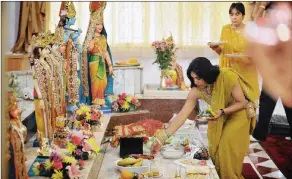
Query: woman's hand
point(110, 69)
point(217, 115)
point(155, 148)
point(213, 46)
point(271, 51)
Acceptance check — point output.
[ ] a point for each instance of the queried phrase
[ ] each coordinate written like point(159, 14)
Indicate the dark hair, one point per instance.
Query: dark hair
point(203, 68)
point(63, 21)
point(238, 6)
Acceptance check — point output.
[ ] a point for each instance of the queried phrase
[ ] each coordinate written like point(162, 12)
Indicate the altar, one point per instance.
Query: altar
point(103, 166)
point(167, 167)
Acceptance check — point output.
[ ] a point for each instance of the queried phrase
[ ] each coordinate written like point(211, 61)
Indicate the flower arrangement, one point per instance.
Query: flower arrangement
point(81, 143)
point(164, 50)
point(124, 102)
point(87, 115)
point(59, 166)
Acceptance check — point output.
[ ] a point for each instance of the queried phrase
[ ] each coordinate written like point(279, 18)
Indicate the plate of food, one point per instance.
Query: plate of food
point(133, 62)
point(206, 115)
point(195, 166)
point(216, 43)
point(121, 63)
point(133, 165)
point(152, 174)
point(236, 55)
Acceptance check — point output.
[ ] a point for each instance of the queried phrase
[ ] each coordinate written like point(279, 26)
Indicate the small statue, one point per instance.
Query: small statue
point(45, 147)
point(17, 135)
point(175, 72)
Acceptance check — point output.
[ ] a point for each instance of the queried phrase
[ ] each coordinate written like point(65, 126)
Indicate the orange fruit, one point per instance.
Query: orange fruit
point(126, 174)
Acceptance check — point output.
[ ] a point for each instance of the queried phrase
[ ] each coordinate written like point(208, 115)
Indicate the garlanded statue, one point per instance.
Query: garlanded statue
point(96, 58)
point(17, 136)
point(174, 76)
point(47, 84)
point(73, 53)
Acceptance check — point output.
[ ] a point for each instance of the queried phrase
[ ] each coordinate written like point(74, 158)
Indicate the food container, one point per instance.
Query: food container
point(172, 151)
point(139, 170)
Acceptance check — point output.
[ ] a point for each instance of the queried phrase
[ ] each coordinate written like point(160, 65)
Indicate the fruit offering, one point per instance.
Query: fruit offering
point(131, 162)
point(133, 61)
point(126, 174)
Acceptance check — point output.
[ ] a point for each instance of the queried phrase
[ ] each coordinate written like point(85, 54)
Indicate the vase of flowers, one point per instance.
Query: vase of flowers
point(80, 145)
point(87, 116)
point(59, 166)
point(164, 50)
point(125, 103)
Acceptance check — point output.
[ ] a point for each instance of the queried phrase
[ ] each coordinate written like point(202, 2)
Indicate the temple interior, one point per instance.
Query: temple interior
point(90, 87)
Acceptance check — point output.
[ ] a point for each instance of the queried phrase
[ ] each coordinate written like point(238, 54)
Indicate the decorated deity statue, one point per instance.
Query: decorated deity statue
point(73, 53)
point(58, 51)
point(174, 76)
point(43, 77)
point(17, 135)
point(96, 58)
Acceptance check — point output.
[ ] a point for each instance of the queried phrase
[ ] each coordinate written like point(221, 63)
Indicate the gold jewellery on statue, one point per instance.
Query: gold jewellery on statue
point(70, 8)
point(46, 38)
point(96, 16)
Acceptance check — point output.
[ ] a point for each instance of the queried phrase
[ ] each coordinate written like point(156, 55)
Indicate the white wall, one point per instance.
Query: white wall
point(10, 20)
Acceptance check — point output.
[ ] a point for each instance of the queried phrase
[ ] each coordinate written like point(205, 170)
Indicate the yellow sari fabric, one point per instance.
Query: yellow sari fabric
point(237, 44)
point(228, 136)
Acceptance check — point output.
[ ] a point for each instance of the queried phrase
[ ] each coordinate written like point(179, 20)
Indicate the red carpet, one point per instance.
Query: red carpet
point(248, 172)
point(280, 151)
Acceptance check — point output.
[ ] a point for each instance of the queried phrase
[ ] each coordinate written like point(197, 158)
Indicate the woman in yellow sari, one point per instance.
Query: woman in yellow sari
point(228, 131)
point(236, 44)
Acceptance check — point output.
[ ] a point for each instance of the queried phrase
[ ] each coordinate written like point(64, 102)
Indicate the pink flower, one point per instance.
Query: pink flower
point(94, 117)
point(58, 165)
point(87, 147)
point(82, 163)
point(74, 171)
point(76, 140)
point(122, 102)
point(115, 106)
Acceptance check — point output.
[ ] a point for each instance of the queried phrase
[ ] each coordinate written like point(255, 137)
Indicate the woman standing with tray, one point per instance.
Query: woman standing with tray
point(232, 47)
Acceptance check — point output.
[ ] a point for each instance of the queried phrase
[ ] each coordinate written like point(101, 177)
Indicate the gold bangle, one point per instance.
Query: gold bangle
point(162, 136)
point(264, 7)
point(110, 65)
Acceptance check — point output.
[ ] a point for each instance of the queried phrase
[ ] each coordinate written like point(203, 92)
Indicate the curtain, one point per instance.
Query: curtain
point(133, 26)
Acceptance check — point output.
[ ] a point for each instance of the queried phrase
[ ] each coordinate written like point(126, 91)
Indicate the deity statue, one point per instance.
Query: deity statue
point(96, 58)
point(44, 79)
point(174, 76)
point(73, 55)
point(17, 135)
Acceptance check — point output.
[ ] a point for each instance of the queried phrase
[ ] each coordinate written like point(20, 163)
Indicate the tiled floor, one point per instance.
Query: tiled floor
point(257, 157)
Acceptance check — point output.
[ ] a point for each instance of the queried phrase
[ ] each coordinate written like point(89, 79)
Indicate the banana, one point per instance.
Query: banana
point(138, 164)
point(127, 161)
